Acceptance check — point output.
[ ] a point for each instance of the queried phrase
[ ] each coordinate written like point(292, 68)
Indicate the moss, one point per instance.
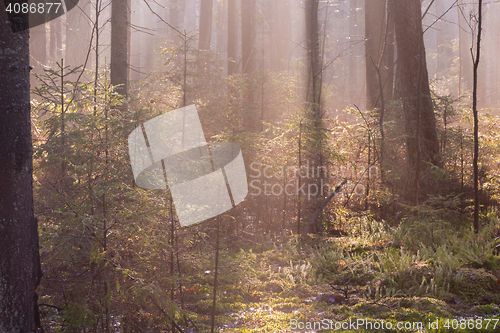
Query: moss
point(302, 291)
point(487, 309)
point(273, 286)
point(475, 284)
point(492, 262)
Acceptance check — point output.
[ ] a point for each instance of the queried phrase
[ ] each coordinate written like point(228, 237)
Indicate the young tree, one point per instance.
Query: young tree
point(19, 259)
point(475, 58)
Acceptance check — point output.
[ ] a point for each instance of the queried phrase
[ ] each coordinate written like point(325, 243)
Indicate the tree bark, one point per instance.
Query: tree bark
point(119, 45)
point(19, 259)
point(413, 82)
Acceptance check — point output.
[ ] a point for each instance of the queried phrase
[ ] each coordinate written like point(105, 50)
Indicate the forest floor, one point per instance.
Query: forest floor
point(359, 284)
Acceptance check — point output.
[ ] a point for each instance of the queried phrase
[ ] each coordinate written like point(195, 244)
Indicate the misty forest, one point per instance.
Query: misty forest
point(368, 144)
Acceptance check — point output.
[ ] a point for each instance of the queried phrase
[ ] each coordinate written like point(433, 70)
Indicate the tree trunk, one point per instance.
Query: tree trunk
point(232, 36)
point(413, 82)
point(247, 35)
point(353, 33)
point(476, 118)
point(248, 59)
point(119, 45)
point(389, 56)
point(19, 260)
point(206, 8)
point(221, 23)
point(313, 57)
point(313, 98)
point(375, 24)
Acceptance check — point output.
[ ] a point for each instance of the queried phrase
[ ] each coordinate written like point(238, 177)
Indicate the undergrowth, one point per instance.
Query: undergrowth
point(377, 272)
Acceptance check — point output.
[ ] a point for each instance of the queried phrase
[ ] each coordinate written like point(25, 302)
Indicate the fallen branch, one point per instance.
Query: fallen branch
point(320, 208)
point(174, 324)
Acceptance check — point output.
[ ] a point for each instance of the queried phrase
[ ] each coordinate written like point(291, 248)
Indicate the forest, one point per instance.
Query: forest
point(249, 166)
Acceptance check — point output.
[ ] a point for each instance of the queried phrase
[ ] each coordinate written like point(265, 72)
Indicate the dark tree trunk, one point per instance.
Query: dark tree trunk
point(413, 82)
point(19, 260)
point(119, 45)
point(314, 148)
point(232, 36)
point(206, 8)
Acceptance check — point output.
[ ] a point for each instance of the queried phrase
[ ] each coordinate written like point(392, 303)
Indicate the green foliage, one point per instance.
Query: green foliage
point(97, 235)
